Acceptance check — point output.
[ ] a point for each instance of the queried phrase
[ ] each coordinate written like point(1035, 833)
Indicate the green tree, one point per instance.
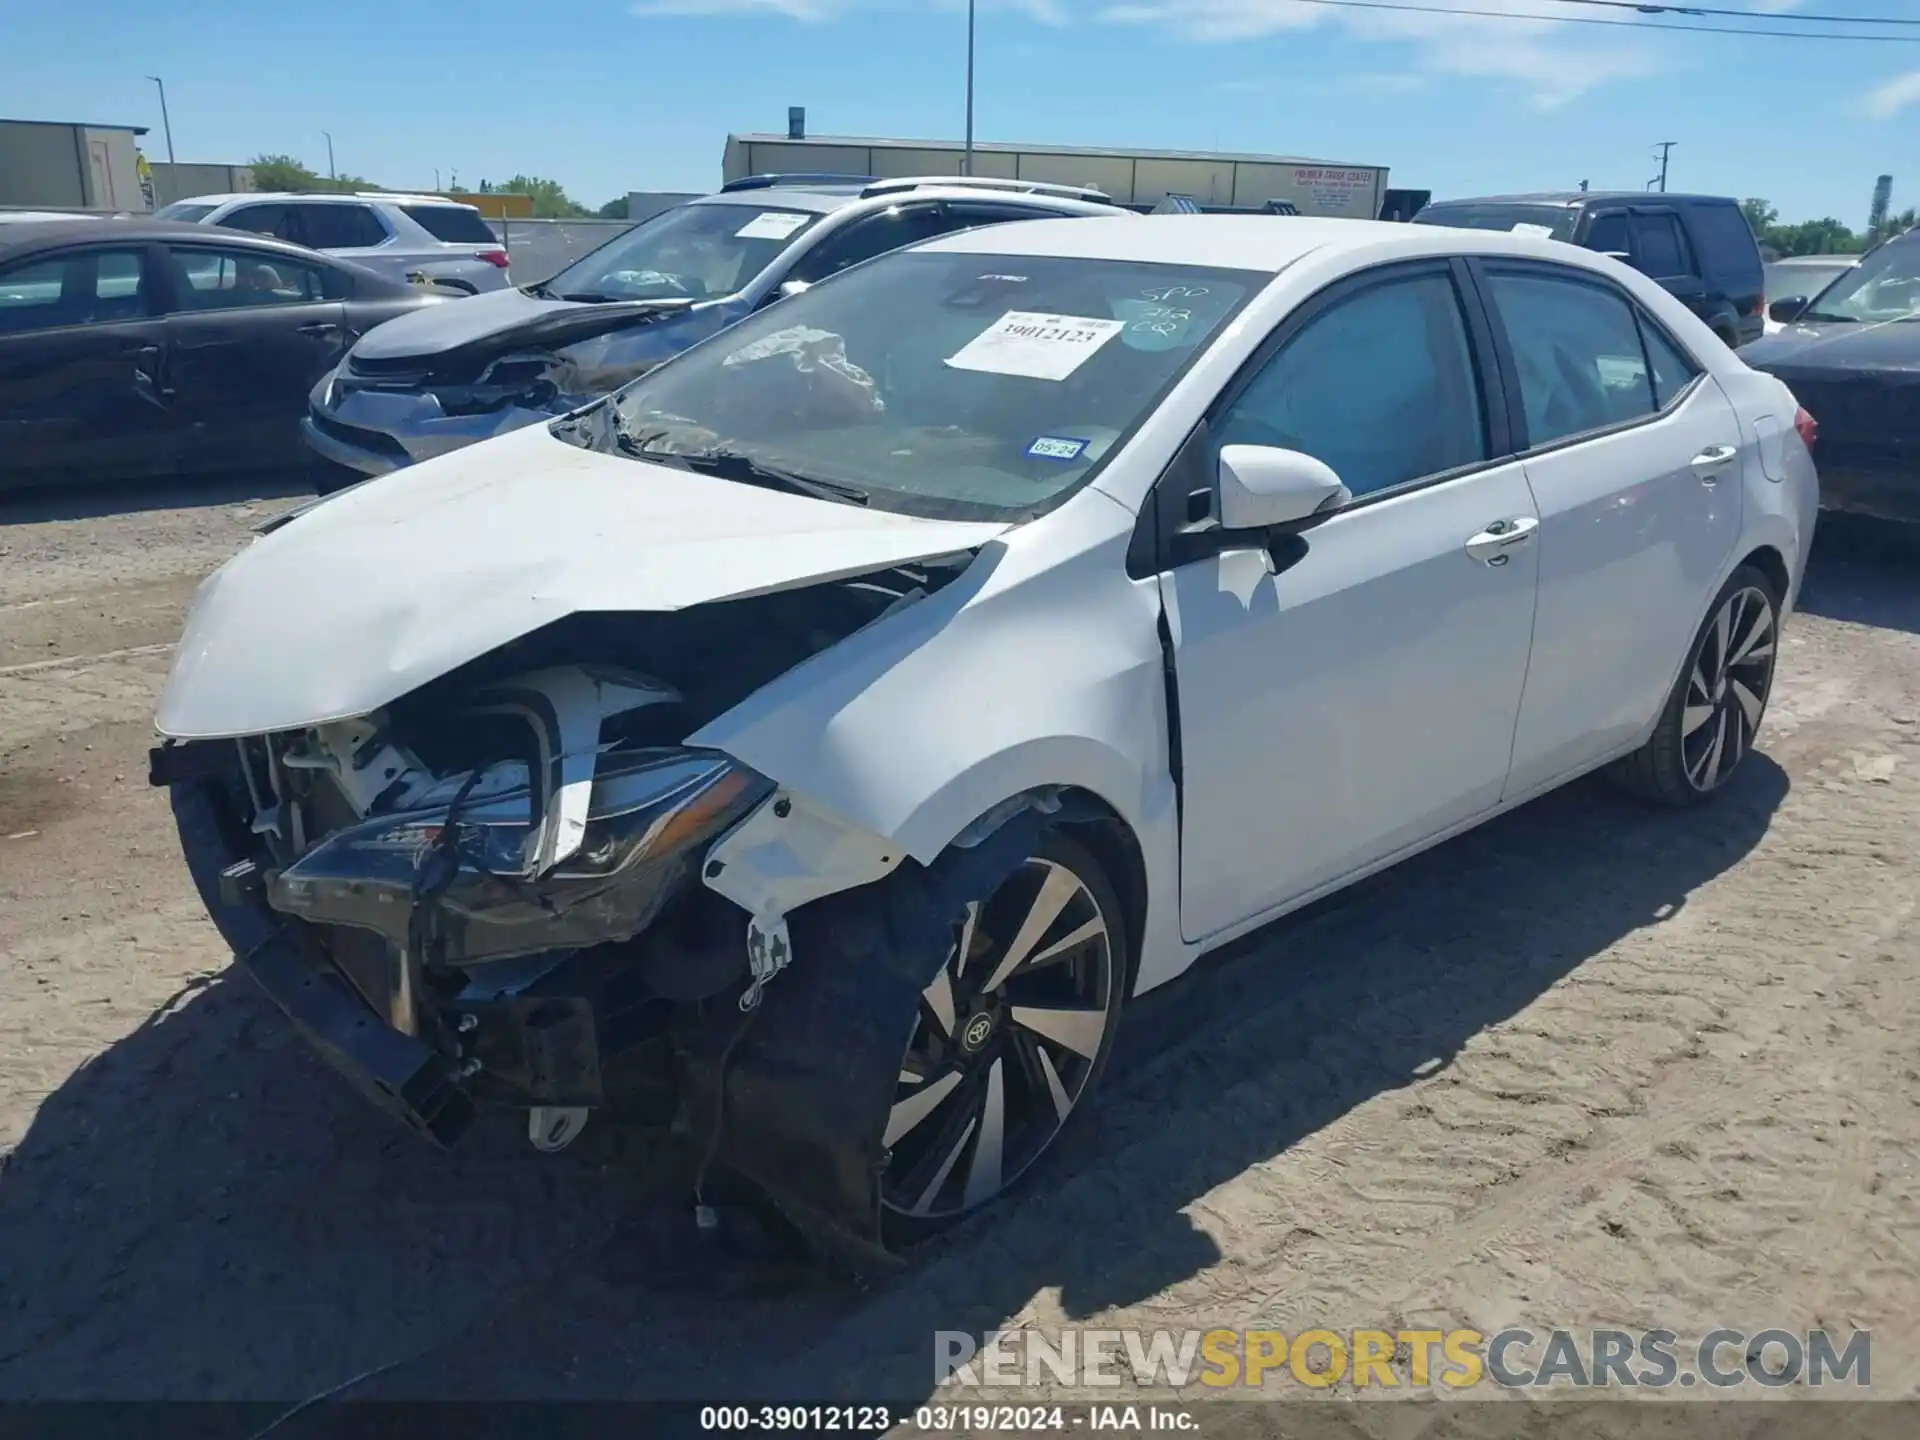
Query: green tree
point(614, 209)
point(1826, 236)
point(282, 172)
point(1760, 215)
point(550, 202)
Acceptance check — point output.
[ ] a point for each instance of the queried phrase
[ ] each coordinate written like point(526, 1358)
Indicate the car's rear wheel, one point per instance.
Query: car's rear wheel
point(1712, 718)
point(1011, 1037)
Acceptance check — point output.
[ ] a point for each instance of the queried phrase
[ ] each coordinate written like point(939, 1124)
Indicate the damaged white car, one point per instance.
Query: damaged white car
point(815, 743)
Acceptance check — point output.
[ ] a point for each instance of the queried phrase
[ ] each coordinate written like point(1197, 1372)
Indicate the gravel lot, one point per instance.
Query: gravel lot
point(1589, 1065)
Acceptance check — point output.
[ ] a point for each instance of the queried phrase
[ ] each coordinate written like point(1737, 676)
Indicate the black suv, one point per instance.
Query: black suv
point(1700, 247)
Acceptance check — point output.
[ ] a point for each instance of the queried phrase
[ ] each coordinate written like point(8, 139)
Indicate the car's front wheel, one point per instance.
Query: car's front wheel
point(1011, 1036)
point(1712, 718)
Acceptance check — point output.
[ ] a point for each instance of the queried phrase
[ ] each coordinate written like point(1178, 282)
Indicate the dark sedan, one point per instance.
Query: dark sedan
point(1851, 355)
point(131, 348)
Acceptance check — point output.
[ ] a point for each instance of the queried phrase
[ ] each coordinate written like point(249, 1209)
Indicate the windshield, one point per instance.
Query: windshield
point(1550, 222)
point(1883, 286)
point(1803, 278)
point(182, 210)
point(698, 252)
point(954, 386)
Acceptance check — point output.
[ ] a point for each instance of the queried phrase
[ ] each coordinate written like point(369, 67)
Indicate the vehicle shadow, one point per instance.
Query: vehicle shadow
point(204, 1211)
point(1865, 571)
point(44, 503)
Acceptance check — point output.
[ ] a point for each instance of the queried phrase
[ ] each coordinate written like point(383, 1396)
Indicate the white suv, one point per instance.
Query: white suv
point(424, 238)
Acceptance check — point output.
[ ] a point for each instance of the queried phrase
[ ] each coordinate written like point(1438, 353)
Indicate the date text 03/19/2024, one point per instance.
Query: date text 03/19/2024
point(942, 1419)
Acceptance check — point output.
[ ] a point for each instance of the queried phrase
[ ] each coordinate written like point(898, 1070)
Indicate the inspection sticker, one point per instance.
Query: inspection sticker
point(1545, 232)
point(770, 225)
point(1040, 347)
point(1057, 447)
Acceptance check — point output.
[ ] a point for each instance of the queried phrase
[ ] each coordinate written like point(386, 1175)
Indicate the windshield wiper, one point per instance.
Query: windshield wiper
point(735, 465)
point(1821, 317)
point(588, 297)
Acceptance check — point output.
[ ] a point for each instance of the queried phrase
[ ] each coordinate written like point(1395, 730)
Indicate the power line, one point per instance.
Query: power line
point(1647, 7)
point(1612, 24)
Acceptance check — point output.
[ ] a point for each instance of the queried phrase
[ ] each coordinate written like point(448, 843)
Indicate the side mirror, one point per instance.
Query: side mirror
point(1788, 310)
point(1263, 486)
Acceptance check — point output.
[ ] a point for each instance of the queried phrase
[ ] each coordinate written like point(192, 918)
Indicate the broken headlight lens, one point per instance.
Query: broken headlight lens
point(651, 816)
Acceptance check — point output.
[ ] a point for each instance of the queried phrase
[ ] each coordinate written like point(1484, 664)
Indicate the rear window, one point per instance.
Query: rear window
point(1551, 222)
point(456, 224)
point(1723, 239)
point(187, 214)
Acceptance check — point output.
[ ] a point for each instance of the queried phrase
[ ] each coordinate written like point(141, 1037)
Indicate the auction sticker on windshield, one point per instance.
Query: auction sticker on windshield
point(1545, 232)
point(1040, 347)
point(770, 225)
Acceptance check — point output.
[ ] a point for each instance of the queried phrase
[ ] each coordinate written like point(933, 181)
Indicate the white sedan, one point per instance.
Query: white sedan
point(819, 740)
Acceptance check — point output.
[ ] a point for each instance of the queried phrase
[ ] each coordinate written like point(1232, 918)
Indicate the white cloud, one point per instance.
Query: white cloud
point(1887, 100)
point(1557, 63)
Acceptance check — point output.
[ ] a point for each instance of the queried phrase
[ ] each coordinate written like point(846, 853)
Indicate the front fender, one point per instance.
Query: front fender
point(1040, 667)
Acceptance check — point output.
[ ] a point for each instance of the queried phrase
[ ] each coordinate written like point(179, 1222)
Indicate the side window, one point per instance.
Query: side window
point(1673, 370)
point(875, 235)
point(1608, 234)
point(273, 220)
point(331, 226)
point(1380, 386)
point(1726, 245)
point(209, 279)
point(1577, 348)
point(1658, 247)
point(93, 288)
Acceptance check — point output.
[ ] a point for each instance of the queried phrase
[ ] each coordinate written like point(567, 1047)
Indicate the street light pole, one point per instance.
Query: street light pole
point(966, 164)
point(165, 123)
point(1666, 148)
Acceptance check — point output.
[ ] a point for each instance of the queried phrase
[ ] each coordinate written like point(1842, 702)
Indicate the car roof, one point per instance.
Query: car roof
point(346, 197)
point(824, 199)
point(27, 236)
point(1267, 243)
point(1573, 199)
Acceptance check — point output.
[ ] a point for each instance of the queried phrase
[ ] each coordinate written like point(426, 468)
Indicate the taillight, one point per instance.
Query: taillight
point(1807, 426)
point(492, 257)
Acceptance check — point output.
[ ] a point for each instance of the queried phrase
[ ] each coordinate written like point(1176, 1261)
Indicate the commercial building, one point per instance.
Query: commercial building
point(66, 165)
point(1132, 177)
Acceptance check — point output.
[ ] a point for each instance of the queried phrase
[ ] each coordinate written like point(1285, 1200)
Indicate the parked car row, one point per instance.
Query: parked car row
point(817, 741)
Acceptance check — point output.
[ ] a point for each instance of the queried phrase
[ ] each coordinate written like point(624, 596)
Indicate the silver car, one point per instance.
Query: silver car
point(424, 238)
point(434, 383)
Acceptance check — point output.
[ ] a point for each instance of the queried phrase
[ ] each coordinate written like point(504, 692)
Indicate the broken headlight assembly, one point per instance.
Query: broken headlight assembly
point(651, 815)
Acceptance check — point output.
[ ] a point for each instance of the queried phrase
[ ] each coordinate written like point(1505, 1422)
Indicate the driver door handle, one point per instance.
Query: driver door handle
point(1493, 545)
point(1711, 461)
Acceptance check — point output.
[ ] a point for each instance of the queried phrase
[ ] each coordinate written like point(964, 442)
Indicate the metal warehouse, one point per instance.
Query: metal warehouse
point(1133, 177)
point(63, 165)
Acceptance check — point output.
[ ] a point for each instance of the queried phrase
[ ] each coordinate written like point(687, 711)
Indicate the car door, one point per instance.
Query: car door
point(1662, 254)
point(82, 361)
point(250, 331)
point(1352, 693)
point(1634, 455)
point(354, 232)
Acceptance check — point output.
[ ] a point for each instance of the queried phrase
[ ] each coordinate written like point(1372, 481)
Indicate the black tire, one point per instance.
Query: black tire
point(1003, 1062)
point(1673, 768)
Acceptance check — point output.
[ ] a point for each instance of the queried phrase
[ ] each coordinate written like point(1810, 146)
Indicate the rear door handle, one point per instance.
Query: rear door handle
point(1711, 461)
point(1493, 545)
point(321, 327)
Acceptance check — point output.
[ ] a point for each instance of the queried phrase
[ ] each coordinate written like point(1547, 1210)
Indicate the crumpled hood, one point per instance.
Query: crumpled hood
point(439, 328)
point(1890, 345)
point(395, 582)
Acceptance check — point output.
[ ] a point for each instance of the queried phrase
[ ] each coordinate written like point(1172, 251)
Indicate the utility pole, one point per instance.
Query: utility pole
point(332, 174)
point(1666, 148)
point(436, 179)
point(165, 123)
point(966, 162)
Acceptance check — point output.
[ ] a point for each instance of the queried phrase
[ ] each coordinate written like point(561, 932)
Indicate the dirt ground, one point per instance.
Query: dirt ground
point(1590, 1065)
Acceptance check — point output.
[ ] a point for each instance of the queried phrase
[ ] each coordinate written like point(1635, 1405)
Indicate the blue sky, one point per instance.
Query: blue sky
point(611, 95)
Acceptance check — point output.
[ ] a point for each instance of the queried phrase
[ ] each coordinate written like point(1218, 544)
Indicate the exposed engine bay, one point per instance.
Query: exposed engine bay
point(519, 871)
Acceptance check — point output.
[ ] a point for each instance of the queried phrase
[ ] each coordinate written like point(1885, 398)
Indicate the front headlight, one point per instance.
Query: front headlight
point(651, 816)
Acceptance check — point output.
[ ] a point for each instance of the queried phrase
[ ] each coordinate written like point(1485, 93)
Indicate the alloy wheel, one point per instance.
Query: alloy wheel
point(1009, 1035)
point(1727, 688)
